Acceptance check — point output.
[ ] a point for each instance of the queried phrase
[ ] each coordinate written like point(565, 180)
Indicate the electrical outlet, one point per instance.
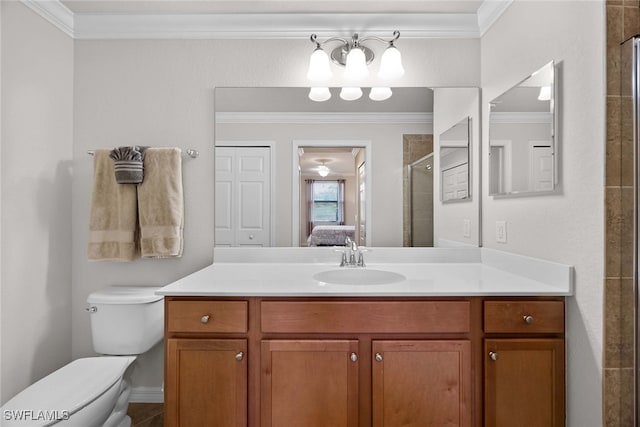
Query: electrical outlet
point(501, 231)
point(466, 228)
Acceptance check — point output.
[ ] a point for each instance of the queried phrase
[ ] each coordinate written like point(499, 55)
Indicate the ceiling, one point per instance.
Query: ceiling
point(265, 19)
point(268, 6)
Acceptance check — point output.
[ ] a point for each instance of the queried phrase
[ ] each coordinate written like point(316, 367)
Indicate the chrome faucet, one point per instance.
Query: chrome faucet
point(352, 255)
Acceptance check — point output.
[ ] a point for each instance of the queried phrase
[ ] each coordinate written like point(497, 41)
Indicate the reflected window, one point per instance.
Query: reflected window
point(327, 202)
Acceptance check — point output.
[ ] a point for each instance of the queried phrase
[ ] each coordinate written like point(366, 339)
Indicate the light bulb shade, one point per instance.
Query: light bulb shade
point(356, 66)
point(319, 94)
point(350, 93)
point(323, 171)
point(391, 64)
point(319, 69)
point(545, 93)
point(380, 93)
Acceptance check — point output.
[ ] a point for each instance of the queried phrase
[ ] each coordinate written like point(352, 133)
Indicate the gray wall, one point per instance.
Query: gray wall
point(566, 227)
point(37, 139)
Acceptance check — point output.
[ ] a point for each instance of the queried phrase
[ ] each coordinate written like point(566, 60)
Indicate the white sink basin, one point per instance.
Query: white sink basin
point(358, 276)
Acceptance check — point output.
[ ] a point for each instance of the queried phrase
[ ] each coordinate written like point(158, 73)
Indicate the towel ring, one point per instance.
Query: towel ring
point(191, 152)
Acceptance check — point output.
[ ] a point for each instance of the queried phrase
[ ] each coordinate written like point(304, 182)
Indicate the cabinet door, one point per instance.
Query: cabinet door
point(421, 383)
point(206, 383)
point(524, 382)
point(309, 383)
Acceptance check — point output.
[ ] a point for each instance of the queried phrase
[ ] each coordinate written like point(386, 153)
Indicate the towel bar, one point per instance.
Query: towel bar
point(193, 153)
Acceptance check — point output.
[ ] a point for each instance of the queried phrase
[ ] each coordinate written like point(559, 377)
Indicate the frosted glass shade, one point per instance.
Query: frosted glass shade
point(356, 66)
point(319, 94)
point(323, 170)
point(319, 69)
point(350, 93)
point(545, 93)
point(391, 64)
point(380, 93)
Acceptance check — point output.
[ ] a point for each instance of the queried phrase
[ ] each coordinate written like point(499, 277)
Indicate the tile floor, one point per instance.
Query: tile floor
point(146, 414)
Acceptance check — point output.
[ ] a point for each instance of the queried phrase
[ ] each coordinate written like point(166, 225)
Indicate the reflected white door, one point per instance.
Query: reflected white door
point(455, 182)
point(242, 196)
point(362, 201)
point(541, 178)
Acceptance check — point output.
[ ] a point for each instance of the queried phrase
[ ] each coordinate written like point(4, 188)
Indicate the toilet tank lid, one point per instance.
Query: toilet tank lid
point(125, 295)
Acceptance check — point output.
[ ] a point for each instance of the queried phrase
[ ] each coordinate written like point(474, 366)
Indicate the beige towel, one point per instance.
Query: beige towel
point(161, 204)
point(113, 217)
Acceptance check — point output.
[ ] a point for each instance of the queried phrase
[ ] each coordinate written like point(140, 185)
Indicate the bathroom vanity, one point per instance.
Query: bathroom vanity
point(467, 342)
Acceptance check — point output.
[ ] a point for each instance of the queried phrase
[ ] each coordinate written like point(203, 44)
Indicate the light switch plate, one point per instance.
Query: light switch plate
point(501, 231)
point(466, 228)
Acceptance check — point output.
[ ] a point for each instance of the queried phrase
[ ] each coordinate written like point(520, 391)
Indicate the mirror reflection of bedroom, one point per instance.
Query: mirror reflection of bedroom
point(332, 195)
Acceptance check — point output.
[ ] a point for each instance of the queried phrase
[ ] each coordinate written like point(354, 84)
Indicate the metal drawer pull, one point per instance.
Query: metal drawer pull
point(493, 355)
point(205, 319)
point(354, 357)
point(240, 356)
point(527, 319)
point(379, 357)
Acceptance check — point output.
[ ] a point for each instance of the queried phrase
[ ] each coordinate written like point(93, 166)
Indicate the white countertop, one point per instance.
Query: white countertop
point(441, 272)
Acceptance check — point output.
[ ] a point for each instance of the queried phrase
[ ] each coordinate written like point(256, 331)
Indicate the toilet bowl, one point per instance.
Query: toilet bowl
point(92, 392)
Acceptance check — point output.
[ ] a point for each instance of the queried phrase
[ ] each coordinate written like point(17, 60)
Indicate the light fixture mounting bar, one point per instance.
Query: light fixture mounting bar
point(339, 54)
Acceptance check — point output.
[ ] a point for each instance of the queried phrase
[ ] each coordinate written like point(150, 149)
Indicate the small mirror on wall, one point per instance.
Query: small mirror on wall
point(454, 162)
point(522, 144)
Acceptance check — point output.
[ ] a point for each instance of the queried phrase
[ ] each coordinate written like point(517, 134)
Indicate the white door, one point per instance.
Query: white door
point(242, 196)
point(541, 178)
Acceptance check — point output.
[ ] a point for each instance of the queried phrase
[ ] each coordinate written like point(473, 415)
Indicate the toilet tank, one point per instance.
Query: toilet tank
point(126, 319)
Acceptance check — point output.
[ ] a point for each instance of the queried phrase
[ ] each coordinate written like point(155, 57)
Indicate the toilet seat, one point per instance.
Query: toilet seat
point(65, 391)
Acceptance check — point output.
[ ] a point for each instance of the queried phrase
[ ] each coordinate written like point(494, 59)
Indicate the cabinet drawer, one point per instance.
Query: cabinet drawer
point(524, 316)
point(365, 317)
point(207, 316)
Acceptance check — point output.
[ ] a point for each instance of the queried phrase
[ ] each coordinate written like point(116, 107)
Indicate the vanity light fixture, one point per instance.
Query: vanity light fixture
point(355, 57)
point(545, 93)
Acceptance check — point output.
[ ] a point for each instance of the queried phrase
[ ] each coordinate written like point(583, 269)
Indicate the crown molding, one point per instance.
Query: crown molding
point(111, 26)
point(529, 117)
point(489, 12)
point(55, 12)
point(323, 118)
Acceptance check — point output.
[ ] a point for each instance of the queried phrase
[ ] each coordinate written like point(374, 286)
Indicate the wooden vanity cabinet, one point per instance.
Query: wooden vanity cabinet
point(364, 362)
point(427, 381)
point(524, 363)
point(206, 367)
point(311, 383)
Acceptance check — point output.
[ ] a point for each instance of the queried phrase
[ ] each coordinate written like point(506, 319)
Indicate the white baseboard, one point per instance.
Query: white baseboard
point(146, 395)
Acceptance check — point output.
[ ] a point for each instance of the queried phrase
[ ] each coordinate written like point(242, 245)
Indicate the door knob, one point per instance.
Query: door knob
point(354, 357)
point(379, 357)
point(493, 355)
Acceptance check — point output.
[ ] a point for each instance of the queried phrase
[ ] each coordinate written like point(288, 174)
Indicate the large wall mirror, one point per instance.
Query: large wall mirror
point(294, 172)
point(522, 142)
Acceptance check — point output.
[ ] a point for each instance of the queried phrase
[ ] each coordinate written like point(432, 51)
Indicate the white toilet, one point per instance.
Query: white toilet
point(92, 392)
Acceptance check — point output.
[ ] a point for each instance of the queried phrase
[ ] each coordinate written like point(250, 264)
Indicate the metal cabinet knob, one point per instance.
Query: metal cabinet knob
point(240, 356)
point(379, 357)
point(205, 319)
point(91, 309)
point(493, 355)
point(250, 236)
point(353, 357)
point(527, 319)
